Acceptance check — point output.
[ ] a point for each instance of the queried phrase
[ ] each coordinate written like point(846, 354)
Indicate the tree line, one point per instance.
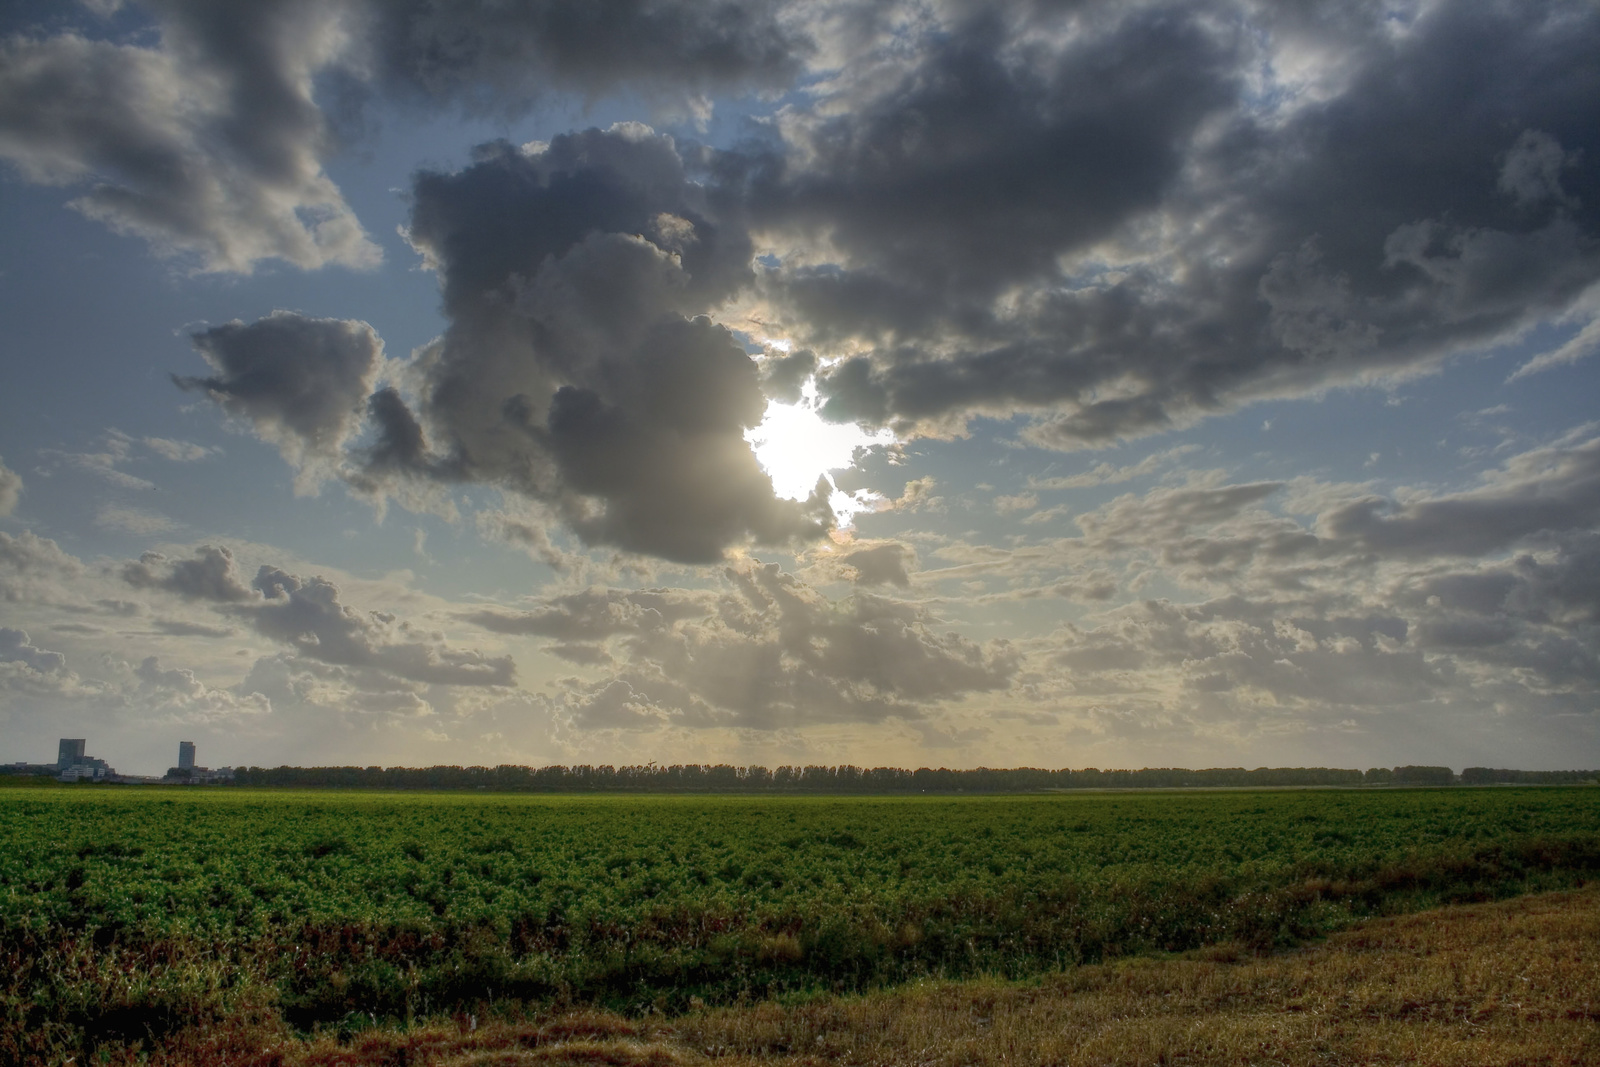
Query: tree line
point(845, 779)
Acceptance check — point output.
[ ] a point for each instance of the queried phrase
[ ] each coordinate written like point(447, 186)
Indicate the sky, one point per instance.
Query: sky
point(938, 383)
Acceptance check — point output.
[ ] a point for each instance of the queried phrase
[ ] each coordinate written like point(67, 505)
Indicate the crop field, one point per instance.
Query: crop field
point(127, 915)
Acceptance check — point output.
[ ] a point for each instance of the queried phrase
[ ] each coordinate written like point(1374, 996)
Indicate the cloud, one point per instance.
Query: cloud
point(496, 58)
point(578, 371)
point(209, 140)
point(596, 615)
point(1241, 660)
point(182, 628)
point(784, 376)
point(917, 495)
point(1108, 474)
point(207, 143)
point(116, 448)
point(1579, 346)
point(890, 563)
point(10, 489)
point(771, 653)
point(978, 163)
point(176, 691)
point(33, 568)
point(210, 576)
point(140, 522)
point(1547, 490)
point(15, 648)
point(1532, 170)
point(308, 615)
point(1392, 609)
point(300, 383)
point(177, 451)
point(1164, 516)
point(327, 694)
point(1115, 219)
point(1161, 214)
point(527, 532)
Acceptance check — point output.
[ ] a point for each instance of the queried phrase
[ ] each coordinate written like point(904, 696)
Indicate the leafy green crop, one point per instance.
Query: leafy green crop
point(404, 904)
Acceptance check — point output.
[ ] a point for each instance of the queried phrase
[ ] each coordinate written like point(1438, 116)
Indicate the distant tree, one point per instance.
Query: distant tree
point(1424, 776)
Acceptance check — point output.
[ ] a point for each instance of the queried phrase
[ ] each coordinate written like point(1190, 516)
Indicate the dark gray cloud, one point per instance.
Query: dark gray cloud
point(577, 370)
point(207, 143)
point(210, 139)
point(210, 576)
point(784, 376)
point(985, 160)
point(301, 383)
point(1126, 231)
point(497, 58)
point(1115, 218)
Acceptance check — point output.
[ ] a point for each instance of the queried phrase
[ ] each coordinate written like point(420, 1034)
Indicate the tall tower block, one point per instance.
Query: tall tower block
point(70, 752)
point(186, 755)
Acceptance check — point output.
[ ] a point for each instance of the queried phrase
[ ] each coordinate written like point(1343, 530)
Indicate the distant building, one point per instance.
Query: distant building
point(87, 769)
point(186, 755)
point(71, 752)
point(75, 765)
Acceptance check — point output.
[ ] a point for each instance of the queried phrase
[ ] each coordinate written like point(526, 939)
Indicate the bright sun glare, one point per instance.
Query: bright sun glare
point(796, 447)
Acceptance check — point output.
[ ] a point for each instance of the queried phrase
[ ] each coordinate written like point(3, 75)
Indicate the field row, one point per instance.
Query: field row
point(117, 907)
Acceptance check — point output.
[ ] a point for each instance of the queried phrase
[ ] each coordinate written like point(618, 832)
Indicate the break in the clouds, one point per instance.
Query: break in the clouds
point(1100, 383)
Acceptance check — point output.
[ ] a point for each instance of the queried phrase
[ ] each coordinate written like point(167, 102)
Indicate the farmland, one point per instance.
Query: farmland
point(128, 914)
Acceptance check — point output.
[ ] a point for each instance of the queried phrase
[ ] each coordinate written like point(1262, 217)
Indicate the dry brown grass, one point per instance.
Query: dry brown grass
point(1510, 983)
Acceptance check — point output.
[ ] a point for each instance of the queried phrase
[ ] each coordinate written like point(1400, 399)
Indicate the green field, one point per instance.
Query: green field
point(338, 908)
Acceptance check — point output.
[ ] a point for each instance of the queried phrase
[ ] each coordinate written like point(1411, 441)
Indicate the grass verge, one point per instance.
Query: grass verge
point(1513, 982)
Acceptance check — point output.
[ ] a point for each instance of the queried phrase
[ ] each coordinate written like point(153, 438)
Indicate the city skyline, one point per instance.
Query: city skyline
point(1112, 385)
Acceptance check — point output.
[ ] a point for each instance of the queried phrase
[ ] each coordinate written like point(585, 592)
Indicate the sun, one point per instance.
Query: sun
point(796, 446)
